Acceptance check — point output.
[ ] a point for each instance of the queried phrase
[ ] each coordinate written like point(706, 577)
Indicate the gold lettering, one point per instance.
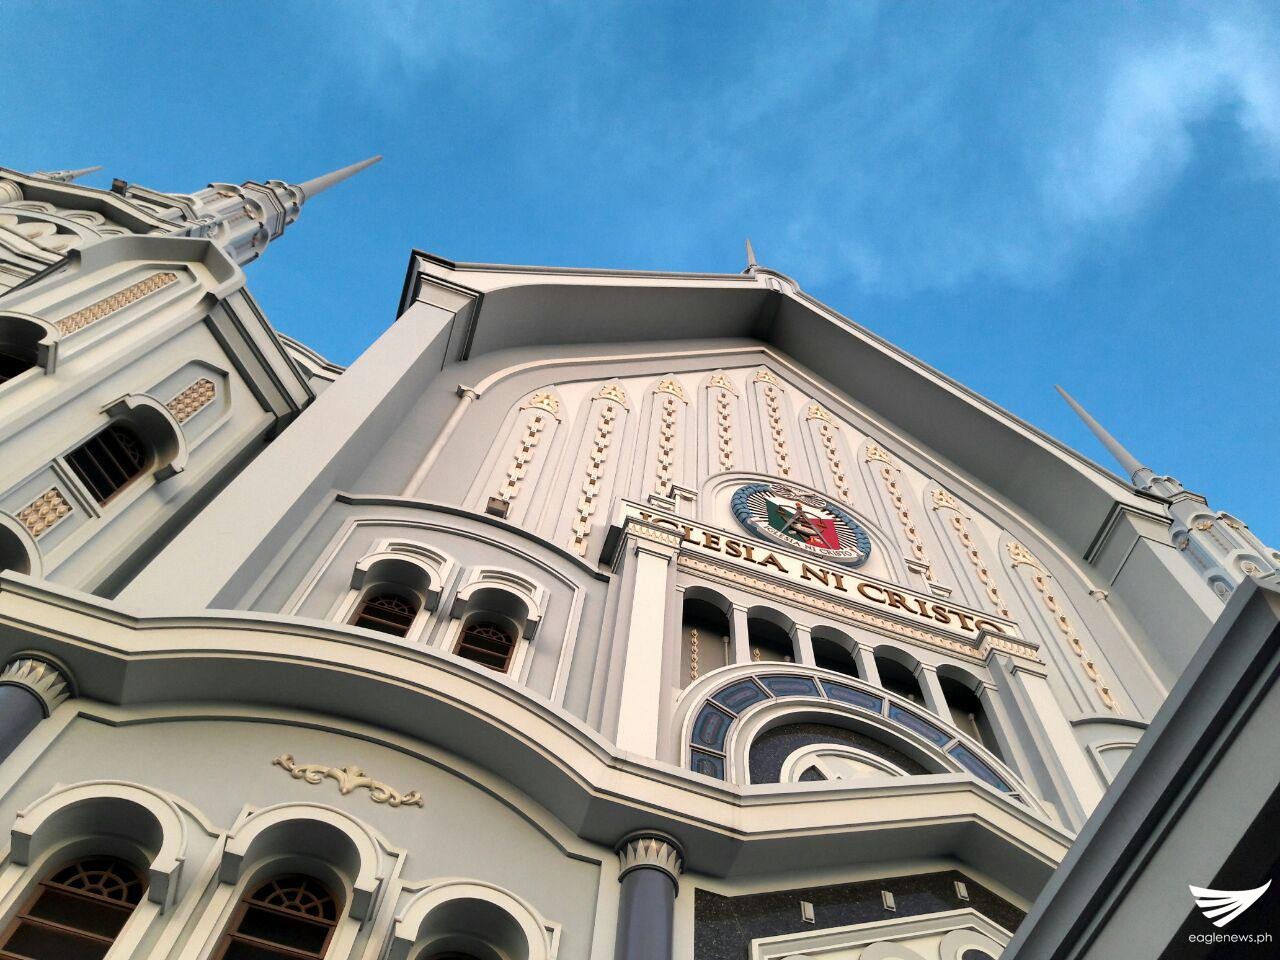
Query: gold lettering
point(710, 541)
point(940, 613)
point(814, 573)
point(748, 553)
point(686, 533)
point(770, 560)
point(988, 625)
point(839, 582)
point(962, 616)
point(733, 548)
point(864, 587)
point(898, 600)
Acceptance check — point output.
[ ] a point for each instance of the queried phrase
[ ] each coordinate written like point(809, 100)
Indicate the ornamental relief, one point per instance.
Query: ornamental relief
point(348, 779)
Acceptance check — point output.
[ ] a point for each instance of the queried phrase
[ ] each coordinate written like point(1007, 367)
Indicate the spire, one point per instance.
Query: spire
point(751, 256)
point(321, 183)
point(1140, 475)
point(66, 176)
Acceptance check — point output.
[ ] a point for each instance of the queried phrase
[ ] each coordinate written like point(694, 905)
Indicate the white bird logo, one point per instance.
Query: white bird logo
point(1226, 905)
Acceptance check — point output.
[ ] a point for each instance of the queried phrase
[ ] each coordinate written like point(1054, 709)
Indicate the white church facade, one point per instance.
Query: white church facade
point(588, 614)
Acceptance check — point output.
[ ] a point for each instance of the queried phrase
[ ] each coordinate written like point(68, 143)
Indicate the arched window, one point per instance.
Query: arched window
point(109, 460)
point(287, 918)
point(12, 364)
point(769, 642)
point(898, 678)
point(77, 912)
point(704, 639)
point(967, 713)
point(831, 655)
point(386, 611)
point(488, 644)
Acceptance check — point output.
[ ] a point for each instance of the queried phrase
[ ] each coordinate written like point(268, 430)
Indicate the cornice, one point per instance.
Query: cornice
point(555, 758)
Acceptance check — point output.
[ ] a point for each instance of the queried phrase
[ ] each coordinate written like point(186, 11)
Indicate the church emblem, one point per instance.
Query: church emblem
point(802, 521)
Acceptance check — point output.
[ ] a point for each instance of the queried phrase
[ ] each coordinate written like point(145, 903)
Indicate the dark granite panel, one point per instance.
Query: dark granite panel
point(771, 749)
point(978, 767)
point(920, 725)
point(725, 926)
point(738, 696)
point(711, 727)
point(858, 698)
point(790, 686)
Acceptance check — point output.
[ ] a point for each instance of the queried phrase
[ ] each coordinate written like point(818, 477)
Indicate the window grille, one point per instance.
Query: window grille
point(488, 645)
point(287, 918)
point(108, 461)
point(386, 612)
point(77, 912)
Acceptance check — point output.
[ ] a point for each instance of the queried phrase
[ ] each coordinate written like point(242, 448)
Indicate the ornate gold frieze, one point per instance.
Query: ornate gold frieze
point(693, 654)
point(348, 779)
point(943, 500)
point(672, 386)
point(724, 421)
point(889, 475)
point(42, 514)
point(192, 399)
point(614, 391)
point(666, 444)
point(1021, 556)
point(765, 376)
point(721, 380)
point(523, 454)
point(117, 301)
point(830, 448)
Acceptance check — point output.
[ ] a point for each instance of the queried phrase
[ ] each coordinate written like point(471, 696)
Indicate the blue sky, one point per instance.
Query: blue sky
point(1020, 194)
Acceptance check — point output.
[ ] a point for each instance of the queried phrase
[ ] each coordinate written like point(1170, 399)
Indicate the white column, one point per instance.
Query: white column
point(1010, 749)
point(934, 698)
point(1075, 779)
point(652, 551)
point(865, 658)
point(738, 635)
point(803, 644)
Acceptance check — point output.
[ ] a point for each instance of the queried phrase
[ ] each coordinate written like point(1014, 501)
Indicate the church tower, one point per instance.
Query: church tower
point(588, 615)
point(137, 375)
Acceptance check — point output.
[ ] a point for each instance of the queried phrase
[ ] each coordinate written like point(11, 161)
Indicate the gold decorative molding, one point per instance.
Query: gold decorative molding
point(724, 423)
point(815, 412)
point(666, 442)
point(543, 401)
point(831, 451)
point(721, 380)
point(765, 376)
point(43, 513)
point(589, 493)
point(524, 452)
point(348, 779)
point(777, 429)
point(1021, 556)
point(192, 399)
point(615, 392)
point(672, 386)
point(693, 654)
point(888, 474)
point(117, 301)
point(944, 500)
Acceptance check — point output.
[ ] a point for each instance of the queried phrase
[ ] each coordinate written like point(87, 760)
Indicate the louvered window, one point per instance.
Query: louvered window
point(387, 612)
point(487, 644)
point(77, 913)
point(108, 461)
point(287, 918)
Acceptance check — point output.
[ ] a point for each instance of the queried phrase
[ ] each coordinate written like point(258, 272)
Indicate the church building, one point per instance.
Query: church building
point(588, 615)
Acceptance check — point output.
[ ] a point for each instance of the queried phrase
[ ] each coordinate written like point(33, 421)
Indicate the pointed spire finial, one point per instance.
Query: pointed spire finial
point(1139, 474)
point(66, 176)
point(751, 256)
point(321, 183)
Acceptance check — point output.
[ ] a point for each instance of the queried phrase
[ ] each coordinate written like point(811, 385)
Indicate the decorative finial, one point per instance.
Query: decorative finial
point(66, 176)
point(321, 183)
point(751, 256)
point(1140, 475)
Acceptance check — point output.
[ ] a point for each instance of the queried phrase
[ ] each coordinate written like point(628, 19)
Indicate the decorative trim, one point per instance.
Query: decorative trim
point(612, 393)
point(1021, 556)
point(773, 409)
point(666, 440)
point(192, 400)
point(693, 654)
point(543, 401)
point(943, 500)
point(524, 451)
point(348, 779)
point(724, 419)
point(42, 679)
point(672, 386)
point(654, 851)
point(721, 380)
point(888, 473)
point(44, 512)
point(117, 301)
point(827, 434)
